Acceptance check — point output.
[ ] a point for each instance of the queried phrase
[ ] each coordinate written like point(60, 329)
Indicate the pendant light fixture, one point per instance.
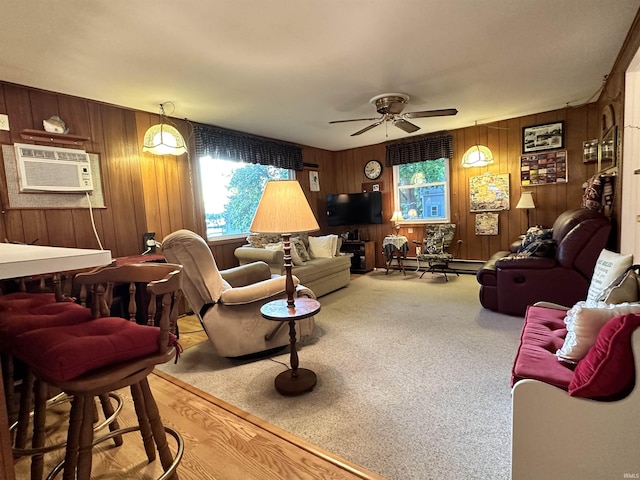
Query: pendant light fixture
point(477, 155)
point(163, 139)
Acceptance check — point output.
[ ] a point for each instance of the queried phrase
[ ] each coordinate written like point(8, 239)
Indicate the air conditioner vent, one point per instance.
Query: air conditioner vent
point(53, 169)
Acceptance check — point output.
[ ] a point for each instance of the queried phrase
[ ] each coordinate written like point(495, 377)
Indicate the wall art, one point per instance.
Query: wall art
point(543, 168)
point(487, 224)
point(489, 192)
point(543, 137)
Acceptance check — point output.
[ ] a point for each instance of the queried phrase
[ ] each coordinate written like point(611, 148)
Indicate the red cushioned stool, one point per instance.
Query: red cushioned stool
point(109, 353)
point(22, 313)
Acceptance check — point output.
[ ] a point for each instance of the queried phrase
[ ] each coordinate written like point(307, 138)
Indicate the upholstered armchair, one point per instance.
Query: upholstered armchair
point(511, 280)
point(228, 302)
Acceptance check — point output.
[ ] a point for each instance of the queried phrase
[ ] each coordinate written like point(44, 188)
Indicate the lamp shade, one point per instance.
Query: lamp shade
point(526, 201)
point(163, 139)
point(283, 208)
point(477, 156)
point(397, 216)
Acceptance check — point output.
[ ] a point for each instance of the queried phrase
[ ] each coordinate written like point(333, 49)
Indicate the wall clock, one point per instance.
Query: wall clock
point(372, 169)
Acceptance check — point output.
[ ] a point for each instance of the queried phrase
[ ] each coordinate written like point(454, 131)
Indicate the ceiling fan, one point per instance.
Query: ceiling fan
point(390, 106)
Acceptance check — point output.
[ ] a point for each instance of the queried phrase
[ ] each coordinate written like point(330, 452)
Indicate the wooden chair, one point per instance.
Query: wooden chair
point(107, 354)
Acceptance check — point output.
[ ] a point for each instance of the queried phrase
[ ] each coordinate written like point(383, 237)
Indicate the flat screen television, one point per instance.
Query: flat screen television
point(354, 208)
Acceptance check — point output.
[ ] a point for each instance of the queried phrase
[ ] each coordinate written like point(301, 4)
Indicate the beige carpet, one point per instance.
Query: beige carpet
point(413, 379)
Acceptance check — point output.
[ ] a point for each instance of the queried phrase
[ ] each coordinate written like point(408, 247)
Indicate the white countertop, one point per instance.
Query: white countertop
point(17, 260)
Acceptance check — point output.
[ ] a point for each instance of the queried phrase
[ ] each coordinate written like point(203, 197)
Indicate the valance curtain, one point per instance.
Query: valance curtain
point(242, 147)
point(432, 147)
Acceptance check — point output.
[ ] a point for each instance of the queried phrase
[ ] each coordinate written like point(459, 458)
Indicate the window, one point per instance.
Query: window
point(231, 192)
point(421, 191)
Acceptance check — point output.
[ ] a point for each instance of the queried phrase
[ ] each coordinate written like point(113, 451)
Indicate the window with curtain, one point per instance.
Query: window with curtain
point(421, 178)
point(234, 168)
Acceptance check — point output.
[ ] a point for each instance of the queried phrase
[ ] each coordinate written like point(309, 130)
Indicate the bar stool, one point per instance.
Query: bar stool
point(109, 353)
point(20, 313)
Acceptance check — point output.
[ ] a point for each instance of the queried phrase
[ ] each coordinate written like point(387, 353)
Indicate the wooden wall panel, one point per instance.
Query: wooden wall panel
point(142, 193)
point(504, 138)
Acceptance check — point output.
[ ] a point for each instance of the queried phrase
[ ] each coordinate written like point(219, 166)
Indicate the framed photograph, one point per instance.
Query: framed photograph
point(314, 181)
point(544, 168)
point(543, 137)
point(608, 149)
point(590, 151)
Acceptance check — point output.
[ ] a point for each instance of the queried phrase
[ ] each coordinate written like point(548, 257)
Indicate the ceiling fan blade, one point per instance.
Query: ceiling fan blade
point(356, 120)
point(431, 113)
point(366, 129)
point(408, 127)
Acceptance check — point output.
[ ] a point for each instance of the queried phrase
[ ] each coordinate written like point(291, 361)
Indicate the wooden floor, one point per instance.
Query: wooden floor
point(222, 442)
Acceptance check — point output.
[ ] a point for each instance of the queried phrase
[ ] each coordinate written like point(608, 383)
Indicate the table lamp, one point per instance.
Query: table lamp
point(526, 202)
point(284, 209)
point(397, 218)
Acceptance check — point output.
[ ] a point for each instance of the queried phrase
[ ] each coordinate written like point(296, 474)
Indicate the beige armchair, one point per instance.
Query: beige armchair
point(228, 302)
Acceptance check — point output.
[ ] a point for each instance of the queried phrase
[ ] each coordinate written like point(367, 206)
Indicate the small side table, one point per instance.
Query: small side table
point(294, 381)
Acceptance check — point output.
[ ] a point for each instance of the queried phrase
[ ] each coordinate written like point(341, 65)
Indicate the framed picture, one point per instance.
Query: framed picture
point(543, 168)
point(608, 149)
point(543, 137)
point(590, 151)
point(314, 181)
point(489, 192)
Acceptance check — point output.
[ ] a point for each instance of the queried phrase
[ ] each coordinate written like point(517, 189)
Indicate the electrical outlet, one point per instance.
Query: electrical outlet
point(149, 242)
point(4, 121)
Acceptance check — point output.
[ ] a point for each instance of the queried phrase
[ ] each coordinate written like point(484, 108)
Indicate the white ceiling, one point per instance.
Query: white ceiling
point(285, 68)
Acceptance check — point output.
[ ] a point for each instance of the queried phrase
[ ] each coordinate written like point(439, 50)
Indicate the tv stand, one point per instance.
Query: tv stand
point(363, 257)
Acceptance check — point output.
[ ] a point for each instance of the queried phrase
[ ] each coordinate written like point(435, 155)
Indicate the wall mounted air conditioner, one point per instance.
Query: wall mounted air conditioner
point(53, 169)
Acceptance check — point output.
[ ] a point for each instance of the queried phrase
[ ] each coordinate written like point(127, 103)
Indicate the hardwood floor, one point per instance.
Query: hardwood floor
point(222, 442)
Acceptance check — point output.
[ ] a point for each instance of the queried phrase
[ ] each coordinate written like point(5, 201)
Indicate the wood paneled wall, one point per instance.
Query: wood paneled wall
point(505, 141)
point(146, 193)
point(142, 192)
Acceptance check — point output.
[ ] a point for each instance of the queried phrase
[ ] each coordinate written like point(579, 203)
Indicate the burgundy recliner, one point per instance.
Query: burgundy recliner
point(509, 283)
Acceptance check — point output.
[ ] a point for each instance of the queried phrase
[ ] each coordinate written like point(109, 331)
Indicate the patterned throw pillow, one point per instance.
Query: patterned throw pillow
point(592, 198)
point(298, 244)
point(537, 242)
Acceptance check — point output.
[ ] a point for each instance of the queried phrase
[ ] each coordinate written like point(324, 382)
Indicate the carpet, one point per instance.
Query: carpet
point(413, 379)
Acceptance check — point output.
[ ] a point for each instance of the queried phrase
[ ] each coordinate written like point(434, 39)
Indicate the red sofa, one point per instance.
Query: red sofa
point(510, 282)
point(575, 421)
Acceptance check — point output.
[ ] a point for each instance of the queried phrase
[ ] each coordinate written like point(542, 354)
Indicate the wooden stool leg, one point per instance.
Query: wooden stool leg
point(143, 421)
point(86, 439)
point(108, 410)
point(73, 438)
point(39, 418)
point(159, 433)
point(24, 412)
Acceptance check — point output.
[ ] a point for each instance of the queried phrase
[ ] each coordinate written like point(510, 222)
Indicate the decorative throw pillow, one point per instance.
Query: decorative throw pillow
point(301, 248)
point(323, 247)
point(609, 266)
point(623, 289)
point(608, 368)
point(295, 258)
point(258, 240)
point(584, 322)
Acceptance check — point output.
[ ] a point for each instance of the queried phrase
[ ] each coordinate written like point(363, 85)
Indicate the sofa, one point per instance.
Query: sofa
point(323, 273)
point(561, 426)
point(556, 266)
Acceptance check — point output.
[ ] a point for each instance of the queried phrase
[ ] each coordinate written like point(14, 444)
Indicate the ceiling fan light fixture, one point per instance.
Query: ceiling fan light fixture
point(477, 156)
point(402, 124)
point(163, 139)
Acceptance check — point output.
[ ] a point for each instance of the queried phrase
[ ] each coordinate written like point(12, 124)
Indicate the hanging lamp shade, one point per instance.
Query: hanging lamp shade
point(163, 139)
point(477, 156)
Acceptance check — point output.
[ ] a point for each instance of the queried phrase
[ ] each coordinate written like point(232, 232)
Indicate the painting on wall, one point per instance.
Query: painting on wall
point(489, 192)
point(544, 168)
point(543, 137)
point(487, 224)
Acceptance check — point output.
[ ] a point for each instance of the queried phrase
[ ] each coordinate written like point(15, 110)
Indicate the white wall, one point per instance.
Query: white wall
point(630, 214)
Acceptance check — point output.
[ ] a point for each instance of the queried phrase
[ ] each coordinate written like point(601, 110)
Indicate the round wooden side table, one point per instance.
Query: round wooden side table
point(294, 381)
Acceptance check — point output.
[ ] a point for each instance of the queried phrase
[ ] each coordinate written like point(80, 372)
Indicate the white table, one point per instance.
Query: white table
point(17, 261)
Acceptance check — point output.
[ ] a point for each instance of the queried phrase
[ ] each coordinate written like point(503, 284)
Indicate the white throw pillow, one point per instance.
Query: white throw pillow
point(584, 322)
point(323, 247)
point(295, 258)
point(609, 266)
